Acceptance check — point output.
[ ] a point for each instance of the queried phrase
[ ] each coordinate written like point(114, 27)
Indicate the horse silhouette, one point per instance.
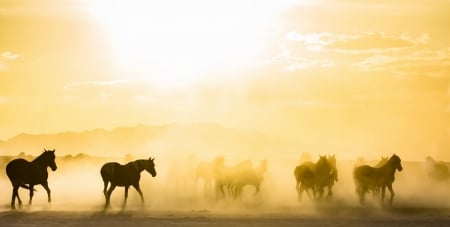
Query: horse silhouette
point(125, 176)
point(327, 180)
point(205, 171)
point(25, 174)
point(368, 178)
point(223, 176)
point(382, 161)
point(248, 176)
point(314, 176)
point(437, 170)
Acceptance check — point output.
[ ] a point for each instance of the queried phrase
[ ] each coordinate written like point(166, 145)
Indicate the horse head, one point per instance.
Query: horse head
point(50, 159)
point(332, 162)
point(322, 163)
point(149, 166)
point(396, 162)
point(429, 159)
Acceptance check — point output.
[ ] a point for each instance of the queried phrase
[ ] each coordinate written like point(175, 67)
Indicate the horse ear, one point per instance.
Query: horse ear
point(53, 151)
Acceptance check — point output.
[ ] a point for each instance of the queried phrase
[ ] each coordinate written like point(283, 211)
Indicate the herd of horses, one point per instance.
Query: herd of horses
point(226, 181)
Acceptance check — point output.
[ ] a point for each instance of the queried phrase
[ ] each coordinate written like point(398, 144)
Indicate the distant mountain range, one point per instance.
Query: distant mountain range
point(170, 139)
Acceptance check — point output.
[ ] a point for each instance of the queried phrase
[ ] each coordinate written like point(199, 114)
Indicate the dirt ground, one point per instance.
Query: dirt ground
point(323, 216)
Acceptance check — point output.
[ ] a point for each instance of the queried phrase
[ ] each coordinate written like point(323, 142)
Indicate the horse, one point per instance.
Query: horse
point(367, 178)
point(248, 176)
point(437, 170)
point(125, 176)
point(205, 171)
point(25, 174)
point(383, 161)
point(314, 176)
point(327, 180)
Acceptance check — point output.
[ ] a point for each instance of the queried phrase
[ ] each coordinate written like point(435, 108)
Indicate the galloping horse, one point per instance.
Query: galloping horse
point(313, 176)
point(327, 180)
point(124, 176)
point(369, 178)
point(25, 174)
point(248, 176)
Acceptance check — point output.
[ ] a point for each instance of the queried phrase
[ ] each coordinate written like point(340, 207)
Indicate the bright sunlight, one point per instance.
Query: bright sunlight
point(180, 42)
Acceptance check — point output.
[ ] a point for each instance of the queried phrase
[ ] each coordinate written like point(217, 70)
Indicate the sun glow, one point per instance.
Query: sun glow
point(186, 41)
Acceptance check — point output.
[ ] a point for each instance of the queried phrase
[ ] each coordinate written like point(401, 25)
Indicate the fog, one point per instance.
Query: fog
point(77, 186)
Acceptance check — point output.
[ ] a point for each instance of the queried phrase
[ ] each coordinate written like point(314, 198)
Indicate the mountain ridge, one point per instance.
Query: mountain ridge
point(170, 139)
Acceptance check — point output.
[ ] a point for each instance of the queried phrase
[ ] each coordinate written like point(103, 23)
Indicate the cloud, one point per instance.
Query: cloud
point(107, 83)
point(434, 63)
point(5, 59)
point(315, 103)
point(303, 63)
point(372, 42)
point(376, 42)
point(10, 56)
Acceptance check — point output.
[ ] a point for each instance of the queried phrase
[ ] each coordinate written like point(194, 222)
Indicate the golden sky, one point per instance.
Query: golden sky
point(357, 75)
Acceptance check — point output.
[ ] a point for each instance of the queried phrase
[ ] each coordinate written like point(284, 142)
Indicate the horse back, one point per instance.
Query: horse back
point(25, 172)
point(304, 173)
point(371, 176)
point(120, 175)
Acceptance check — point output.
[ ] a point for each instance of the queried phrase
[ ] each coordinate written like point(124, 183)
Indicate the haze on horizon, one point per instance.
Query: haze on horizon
point(355, 75)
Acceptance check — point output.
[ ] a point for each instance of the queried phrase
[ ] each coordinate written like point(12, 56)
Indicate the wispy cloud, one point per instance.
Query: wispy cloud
point(10, 56)
point(304, 63)
point(6, 58)
point(427, 62)
point(372, 42)
point(106, 83)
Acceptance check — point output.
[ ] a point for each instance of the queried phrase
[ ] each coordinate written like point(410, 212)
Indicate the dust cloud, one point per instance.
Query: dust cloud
point(77, 186)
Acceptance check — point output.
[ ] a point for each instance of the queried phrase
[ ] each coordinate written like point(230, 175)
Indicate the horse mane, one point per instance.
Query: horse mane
point(40, 158)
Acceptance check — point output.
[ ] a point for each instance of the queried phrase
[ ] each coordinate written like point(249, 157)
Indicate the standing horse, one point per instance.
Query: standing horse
point(124, 176)
point(25, 174)
point(369, 178)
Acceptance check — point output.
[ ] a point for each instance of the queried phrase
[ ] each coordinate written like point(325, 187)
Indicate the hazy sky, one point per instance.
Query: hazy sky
point(357, 75)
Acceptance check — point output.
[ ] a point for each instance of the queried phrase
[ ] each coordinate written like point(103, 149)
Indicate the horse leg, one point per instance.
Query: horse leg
point(138, 189)
point(320, 192)
point(108, 194)
point(383, 190)
point(297, 188)
point(362, 192)
point(31, 194)
point(105, 186)
point(14, 195)
point(45, 185)
point(392, 194)
point(126, 196)
point(330, 192)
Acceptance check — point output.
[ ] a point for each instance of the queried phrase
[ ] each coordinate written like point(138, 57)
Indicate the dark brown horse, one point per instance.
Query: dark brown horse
point(25, 174)
point(125, 176)
point(368, 178)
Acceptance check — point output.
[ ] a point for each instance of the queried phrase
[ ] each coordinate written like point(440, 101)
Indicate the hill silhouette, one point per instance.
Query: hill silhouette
point(140, 139)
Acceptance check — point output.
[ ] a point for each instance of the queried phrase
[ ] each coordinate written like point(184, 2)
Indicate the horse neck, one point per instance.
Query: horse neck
point(388, 167)
point(40, 161)
point(136, 165)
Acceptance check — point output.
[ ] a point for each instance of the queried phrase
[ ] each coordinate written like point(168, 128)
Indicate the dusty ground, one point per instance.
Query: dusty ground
point(323, 216)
